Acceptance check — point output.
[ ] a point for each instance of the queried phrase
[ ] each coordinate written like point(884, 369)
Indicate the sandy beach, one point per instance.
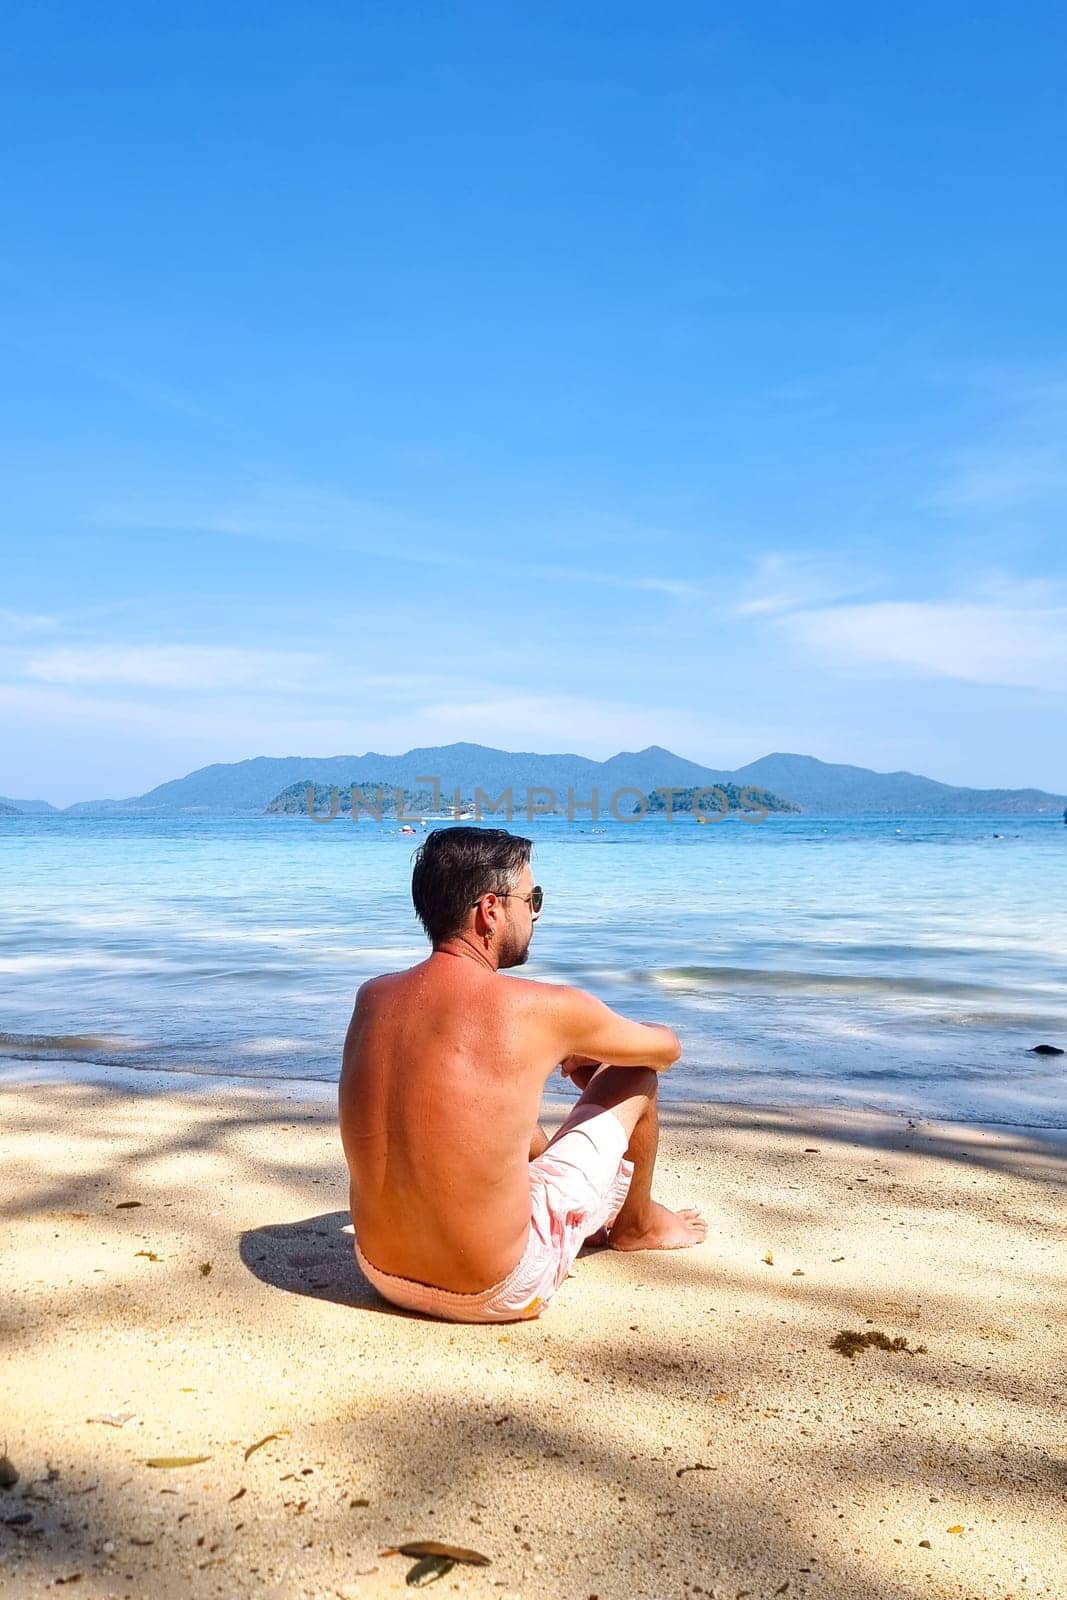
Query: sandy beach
point(674, 1425)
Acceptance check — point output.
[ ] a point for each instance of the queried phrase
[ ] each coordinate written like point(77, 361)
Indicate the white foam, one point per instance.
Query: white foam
point(93, 960)
point(270, 1045)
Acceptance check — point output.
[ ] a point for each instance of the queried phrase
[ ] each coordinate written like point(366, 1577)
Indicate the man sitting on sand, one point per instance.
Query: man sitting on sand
point(462, 1207)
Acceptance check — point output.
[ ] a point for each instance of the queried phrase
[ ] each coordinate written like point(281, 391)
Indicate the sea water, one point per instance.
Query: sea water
point(899, 963)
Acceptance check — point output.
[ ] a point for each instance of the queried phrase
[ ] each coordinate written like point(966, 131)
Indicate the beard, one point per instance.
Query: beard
point(514, 954)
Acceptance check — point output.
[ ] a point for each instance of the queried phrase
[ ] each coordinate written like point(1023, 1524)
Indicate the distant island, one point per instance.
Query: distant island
point(705, 800)
point(372, 800)
point(798, 782)
point(324, 802)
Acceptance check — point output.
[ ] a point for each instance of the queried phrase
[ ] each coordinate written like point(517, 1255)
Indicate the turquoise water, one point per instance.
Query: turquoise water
point(902, 963)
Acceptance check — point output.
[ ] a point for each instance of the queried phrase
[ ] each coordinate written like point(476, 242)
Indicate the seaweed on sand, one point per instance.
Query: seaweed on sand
point(848, 1343)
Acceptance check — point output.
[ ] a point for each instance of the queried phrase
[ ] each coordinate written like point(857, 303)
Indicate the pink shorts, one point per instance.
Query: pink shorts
point(577, 1187)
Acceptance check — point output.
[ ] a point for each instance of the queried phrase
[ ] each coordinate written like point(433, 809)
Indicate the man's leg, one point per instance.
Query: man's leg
point(629, 1093)
point(538, 1142)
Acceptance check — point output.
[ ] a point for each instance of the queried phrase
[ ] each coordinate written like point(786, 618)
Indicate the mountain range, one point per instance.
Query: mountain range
point(817, 787)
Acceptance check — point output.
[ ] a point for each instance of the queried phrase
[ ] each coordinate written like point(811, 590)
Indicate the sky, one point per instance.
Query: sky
point(563, 378)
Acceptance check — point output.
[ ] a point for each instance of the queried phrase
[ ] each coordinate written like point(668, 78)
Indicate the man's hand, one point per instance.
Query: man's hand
point(579, 1069)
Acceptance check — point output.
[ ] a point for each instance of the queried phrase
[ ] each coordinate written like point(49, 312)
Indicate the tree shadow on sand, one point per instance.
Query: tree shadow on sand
point(312, 1256)
point(663, 1423)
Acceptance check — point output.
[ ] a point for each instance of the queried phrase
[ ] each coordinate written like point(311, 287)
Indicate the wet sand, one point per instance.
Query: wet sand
point(675, 1424)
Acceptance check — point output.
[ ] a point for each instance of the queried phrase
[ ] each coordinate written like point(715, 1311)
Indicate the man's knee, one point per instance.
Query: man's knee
point(625, 1083)
point(648, 1079)
point(628, 1092)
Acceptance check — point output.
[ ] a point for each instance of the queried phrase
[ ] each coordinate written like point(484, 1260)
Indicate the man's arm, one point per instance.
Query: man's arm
point(590, 1028)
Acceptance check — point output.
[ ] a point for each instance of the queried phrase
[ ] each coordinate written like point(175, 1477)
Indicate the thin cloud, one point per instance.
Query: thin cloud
point(196, 729)
point(275, 513)
point(211, 726)
point(26, 621)
point(1003, 480)
point(1021, 463)
point(287, 515)
point(185, 667)
point(1021, 647)
point(677, 588)
point(782, 582)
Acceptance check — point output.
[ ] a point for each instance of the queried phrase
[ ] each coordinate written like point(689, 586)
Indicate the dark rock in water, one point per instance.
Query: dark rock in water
point(1046, 1050)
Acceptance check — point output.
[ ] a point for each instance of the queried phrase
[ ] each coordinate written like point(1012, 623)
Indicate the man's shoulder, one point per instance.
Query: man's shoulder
point(535, 994)
point(373, 990)
point(371, 986)
point(385, 980)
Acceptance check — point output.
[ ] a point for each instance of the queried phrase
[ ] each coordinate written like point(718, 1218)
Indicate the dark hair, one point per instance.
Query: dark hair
point(454, 867)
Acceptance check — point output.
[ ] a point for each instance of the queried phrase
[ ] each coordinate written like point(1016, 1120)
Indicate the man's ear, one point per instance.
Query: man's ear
point(482, 906)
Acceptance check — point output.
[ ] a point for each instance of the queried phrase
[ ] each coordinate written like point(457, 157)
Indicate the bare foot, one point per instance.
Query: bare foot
point(662, 1230)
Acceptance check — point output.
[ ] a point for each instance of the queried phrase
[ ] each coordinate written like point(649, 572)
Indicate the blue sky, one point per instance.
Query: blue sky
point(555, 377)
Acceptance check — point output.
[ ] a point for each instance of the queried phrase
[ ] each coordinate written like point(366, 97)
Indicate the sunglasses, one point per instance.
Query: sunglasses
point(535, 898)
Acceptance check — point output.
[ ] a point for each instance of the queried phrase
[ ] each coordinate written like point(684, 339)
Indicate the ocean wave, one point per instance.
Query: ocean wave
point(823, 983)
point(1012, 1021)
point(271, 1046)
point(66, 1044)
point(94, 960)
point(284, 972)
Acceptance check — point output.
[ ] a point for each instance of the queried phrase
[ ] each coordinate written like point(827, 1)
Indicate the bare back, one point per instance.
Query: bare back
point(441, 1084)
